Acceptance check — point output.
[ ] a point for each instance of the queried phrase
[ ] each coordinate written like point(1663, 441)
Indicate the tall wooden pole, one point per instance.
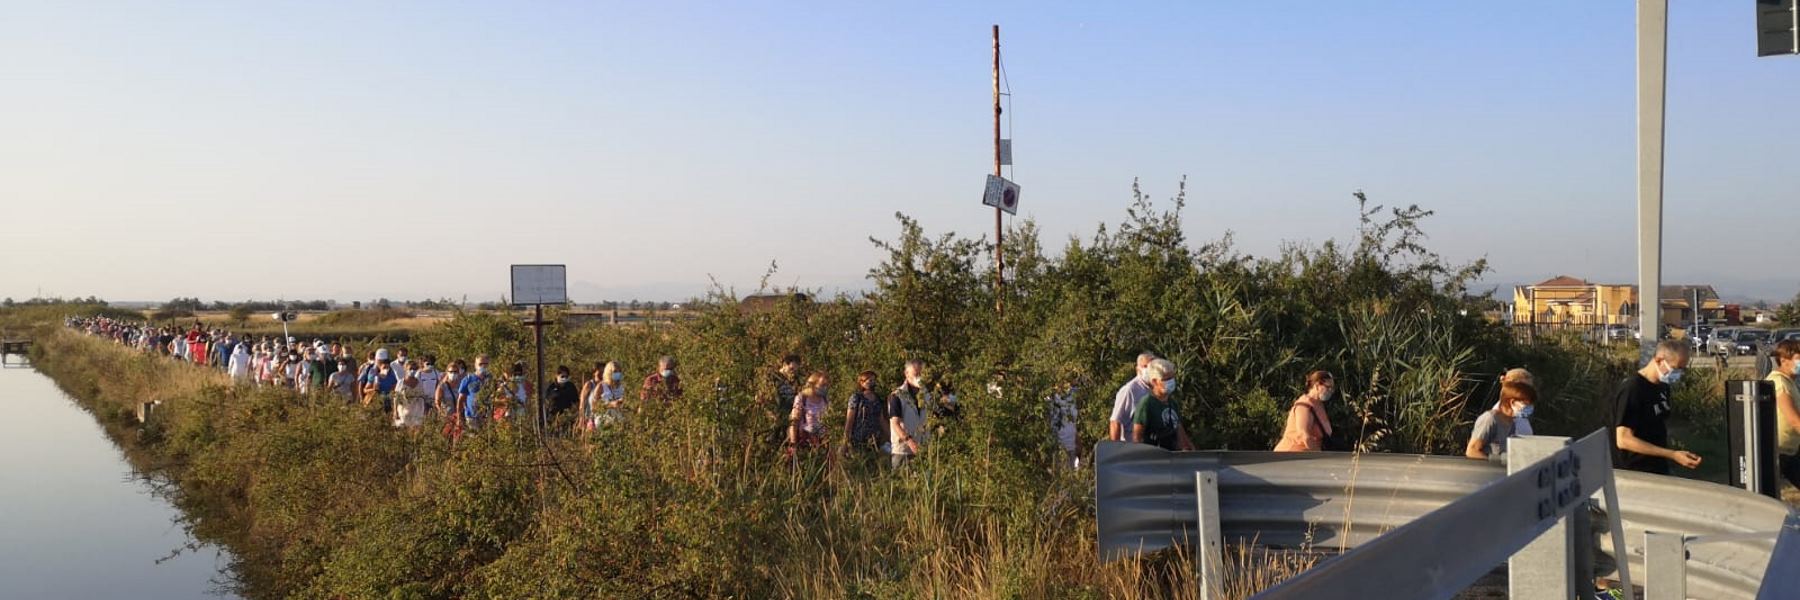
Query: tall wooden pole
point(999, 255)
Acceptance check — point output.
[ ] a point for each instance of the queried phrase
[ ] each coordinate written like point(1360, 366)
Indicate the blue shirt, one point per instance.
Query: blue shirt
point(384, 384)
point(466, 390)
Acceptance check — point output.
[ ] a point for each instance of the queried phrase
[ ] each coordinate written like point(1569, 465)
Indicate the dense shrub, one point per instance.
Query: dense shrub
point(320, 500)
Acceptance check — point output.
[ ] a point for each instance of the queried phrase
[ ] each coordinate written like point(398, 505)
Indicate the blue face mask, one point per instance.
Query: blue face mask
point(1168, 386)
point(618, 377)
point(1525, 411)
point(1796, 369)
point(667, 373)
point(1673, 376)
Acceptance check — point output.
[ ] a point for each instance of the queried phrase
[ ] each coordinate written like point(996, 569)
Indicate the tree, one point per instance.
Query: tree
point(1789, 314)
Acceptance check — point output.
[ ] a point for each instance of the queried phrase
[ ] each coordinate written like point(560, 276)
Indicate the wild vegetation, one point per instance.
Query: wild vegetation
point(321, 500)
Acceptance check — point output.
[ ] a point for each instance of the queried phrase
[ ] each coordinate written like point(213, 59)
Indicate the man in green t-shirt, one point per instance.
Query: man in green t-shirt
point(1155, 421)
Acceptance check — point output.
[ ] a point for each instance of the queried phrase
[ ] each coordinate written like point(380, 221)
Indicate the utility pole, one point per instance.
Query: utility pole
point(1652, 69)
point(999, 255)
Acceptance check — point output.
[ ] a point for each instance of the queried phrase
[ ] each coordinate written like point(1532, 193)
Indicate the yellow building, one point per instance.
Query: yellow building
point(1565, 300)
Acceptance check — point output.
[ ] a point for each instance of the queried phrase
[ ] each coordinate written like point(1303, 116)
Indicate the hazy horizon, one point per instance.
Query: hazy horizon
point(414, 150)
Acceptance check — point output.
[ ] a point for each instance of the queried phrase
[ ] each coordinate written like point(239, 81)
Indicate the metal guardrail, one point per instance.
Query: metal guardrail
point(1145, 499)
point(1447, 550)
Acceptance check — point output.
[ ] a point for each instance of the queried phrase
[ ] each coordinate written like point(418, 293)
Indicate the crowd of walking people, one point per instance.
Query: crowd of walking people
point(466, 395)
point(463, 394)
point(410, 389)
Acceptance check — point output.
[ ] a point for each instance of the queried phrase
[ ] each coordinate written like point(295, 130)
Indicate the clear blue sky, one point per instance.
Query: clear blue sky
point(414, 149)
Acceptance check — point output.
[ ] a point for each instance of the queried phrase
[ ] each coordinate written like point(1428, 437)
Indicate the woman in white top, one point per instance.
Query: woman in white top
point(605, 400)
point(409, 402)
point(240, 364)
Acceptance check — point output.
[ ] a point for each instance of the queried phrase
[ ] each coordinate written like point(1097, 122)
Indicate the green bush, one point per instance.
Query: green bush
point(692, 498)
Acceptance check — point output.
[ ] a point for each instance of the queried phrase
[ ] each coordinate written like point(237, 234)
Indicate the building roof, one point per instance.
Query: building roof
point(1563, 281)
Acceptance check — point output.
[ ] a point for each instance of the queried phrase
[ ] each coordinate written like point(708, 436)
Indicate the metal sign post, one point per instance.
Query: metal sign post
point(1777, 27)
point(1750, 423)
point(1652, 66)
point(535, 286)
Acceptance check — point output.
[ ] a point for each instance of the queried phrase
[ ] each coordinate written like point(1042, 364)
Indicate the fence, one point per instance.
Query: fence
point(1147, 500)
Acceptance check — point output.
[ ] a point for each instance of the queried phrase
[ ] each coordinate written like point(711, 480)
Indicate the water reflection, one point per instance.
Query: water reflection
point(75, 520)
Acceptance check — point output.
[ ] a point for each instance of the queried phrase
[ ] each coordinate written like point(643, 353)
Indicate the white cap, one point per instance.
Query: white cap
point(381, 354)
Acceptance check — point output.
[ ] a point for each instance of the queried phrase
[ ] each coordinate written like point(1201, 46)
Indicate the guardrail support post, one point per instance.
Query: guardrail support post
point(1208, 548)
point(1665, 563)
point(1545, 567)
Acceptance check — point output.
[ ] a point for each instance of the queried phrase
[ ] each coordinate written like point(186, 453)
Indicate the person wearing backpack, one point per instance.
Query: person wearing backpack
point(906, 416)
point(1308, 426)
point(864, 416)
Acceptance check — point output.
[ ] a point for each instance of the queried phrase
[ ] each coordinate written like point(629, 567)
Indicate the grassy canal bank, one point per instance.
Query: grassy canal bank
point(320, 500)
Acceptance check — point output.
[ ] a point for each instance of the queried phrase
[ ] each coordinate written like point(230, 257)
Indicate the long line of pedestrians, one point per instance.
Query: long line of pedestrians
point(468, 394)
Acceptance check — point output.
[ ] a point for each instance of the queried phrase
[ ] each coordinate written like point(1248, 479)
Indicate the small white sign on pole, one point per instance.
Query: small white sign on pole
point(540, 284)
point(1001, 194)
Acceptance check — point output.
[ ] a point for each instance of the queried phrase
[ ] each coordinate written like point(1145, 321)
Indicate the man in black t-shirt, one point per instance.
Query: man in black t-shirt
point(1641, 414)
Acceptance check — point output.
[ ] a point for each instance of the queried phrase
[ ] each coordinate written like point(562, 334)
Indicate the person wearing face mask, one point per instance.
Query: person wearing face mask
point(443, 400)
point(1118, 427)
point(663, 386)
point(1308, 426)
point(1641, 411)
point(401, 364)
point(606, 400)
point(343, 381)
point(1156, 421)
point(563, 394)
point(906, 416)
point(1787, 410)
point(409, 403)
point(430, 380)
point(468, 396)
point(1492, 428)
point(240, 364)
point(1521, 424)
point(590, 391)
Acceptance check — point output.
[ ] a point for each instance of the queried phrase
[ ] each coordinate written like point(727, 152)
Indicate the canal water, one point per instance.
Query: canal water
point(75, 520)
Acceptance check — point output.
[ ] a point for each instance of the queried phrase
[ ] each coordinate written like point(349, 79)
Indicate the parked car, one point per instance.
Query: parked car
point(1697, 337)
point(1784, 334)
point(1701, 332)
point(1619, 333)
point(1749, 341)
point(1723, 341)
